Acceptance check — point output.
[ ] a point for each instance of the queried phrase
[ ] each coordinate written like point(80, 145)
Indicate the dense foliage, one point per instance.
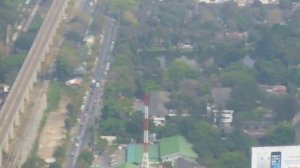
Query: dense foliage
point(214, 40)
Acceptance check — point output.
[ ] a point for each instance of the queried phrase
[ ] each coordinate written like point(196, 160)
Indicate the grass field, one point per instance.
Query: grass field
point(54, 95)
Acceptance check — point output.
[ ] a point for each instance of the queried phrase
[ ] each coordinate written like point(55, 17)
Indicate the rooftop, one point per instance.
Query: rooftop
point(176, 144)
point(221, 95)
point(135, 153)
point(157, 103)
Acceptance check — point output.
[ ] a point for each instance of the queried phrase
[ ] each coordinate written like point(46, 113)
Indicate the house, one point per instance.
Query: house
point(175, 147)
point(223, 118)
point(134, 153)
point(257, 133)
point(274, 89)
point(244, 2)
point(226, 118)
point(157, 109)
point(216, 111)
point(265, 2)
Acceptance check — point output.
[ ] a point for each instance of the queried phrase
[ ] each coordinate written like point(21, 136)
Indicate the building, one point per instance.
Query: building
point(265, 2)
point(274, 89)
point(223, 118)
point(157, 109)
point(226, 118)
point(275, 157)
point(134, 153)
point(173, 148)
point(166, 150)
point(244, 2)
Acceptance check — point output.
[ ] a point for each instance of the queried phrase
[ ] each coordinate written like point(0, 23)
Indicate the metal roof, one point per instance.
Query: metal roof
point(135, 153)
point(176, 145)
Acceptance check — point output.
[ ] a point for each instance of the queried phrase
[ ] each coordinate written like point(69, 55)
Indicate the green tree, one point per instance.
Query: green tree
point(25, 41)
point(134, 126)
point(101, 145)
point(84, 159)
point(179, 70)
point(284, 107)
point(294, 75)
point(285, 4)
point(233, 160)
point(281, 134)
point(236, 73)
point(63, 69)
point(55, 165)
point(244, 96)
point(241, 142)
point(59, 154)
point(34, 162)
point(270, 72)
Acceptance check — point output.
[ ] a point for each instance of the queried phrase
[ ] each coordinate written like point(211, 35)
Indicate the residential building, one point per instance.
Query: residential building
point(157, 109)
point(274, 89)
point(244, 2)
point(222, 118)
point(269, 1)
point(257, 133)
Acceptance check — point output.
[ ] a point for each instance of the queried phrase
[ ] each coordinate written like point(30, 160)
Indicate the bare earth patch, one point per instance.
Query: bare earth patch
point(53, 132)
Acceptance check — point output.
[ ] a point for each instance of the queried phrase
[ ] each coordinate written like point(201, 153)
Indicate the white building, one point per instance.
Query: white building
point(223, 118)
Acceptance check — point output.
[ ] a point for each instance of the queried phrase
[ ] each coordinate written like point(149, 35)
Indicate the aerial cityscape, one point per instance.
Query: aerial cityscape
point(150, 83)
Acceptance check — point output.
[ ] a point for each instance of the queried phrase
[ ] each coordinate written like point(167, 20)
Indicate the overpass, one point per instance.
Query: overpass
point(27, 76)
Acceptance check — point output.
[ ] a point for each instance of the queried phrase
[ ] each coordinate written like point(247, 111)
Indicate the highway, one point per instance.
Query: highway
point(29, 68)
point(93, 98)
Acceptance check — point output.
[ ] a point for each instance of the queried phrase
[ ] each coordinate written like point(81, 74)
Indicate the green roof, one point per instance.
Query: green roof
point(135, 153)
point(176, 144)
point(126, 165)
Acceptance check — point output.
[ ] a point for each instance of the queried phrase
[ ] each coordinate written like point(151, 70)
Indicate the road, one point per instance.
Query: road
point(29, 68)
point(92, 105)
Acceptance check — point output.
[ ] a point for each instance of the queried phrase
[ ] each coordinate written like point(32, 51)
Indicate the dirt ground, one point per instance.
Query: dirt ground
point(53, 131)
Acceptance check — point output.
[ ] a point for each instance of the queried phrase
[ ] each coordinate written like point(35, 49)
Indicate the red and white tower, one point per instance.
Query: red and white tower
point(145, 160)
